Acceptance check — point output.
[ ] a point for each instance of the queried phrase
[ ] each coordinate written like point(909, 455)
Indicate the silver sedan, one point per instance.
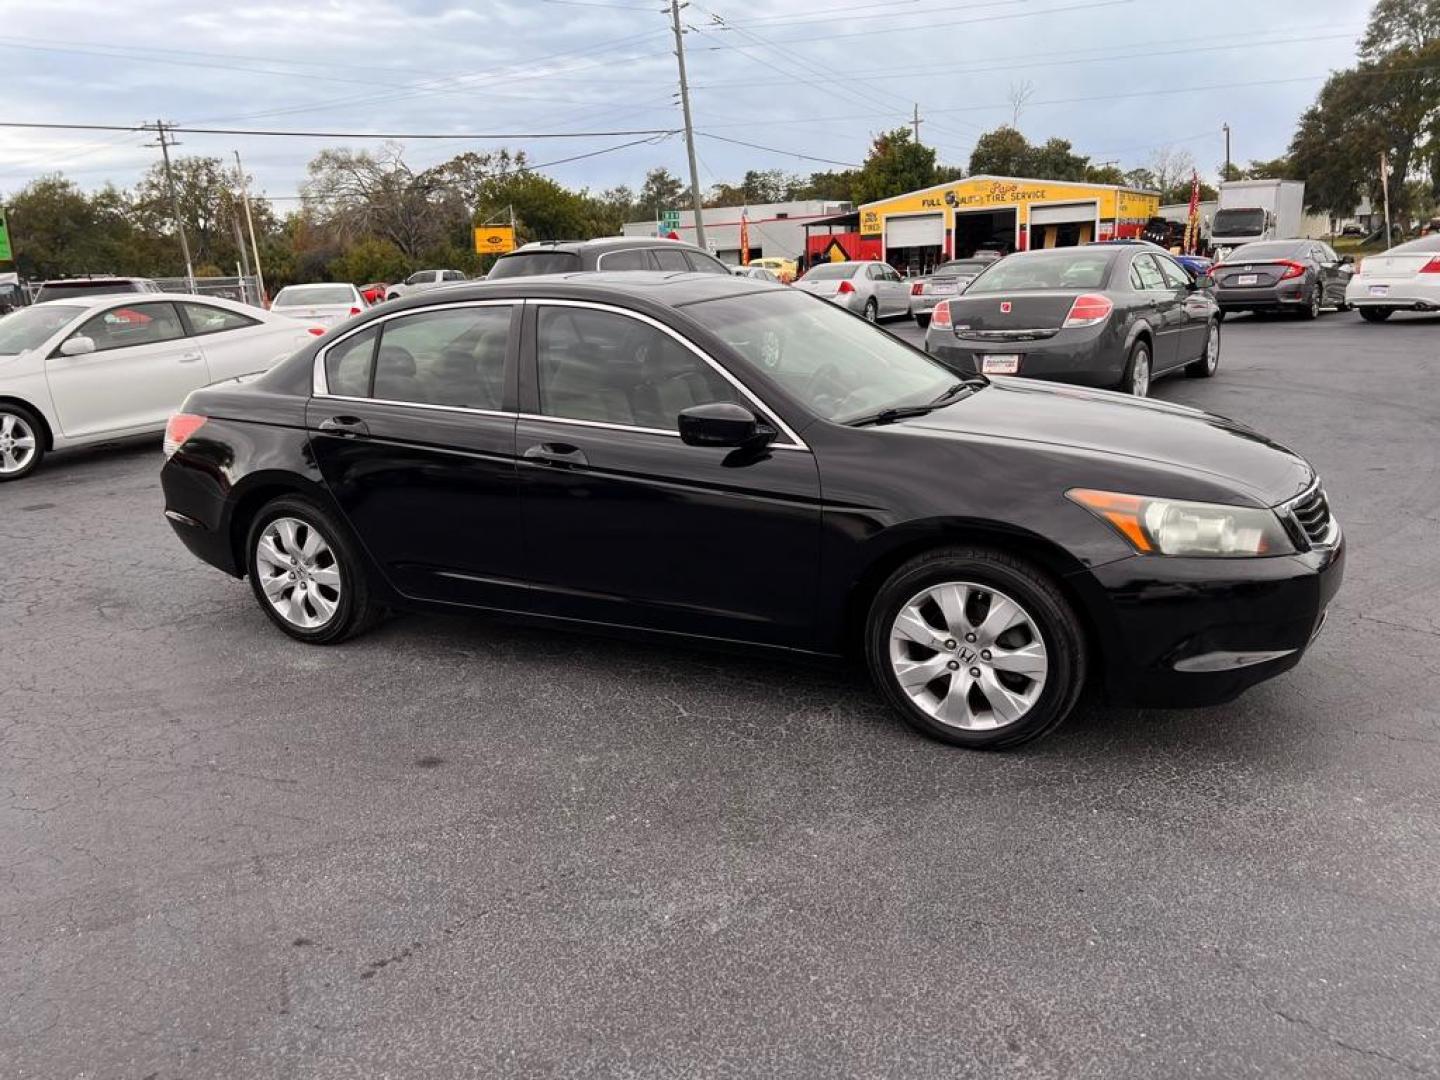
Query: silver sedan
point(871, 289)
point(946, 280)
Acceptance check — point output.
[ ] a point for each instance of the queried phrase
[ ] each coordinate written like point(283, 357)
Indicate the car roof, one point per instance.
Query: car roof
point(672, 289)
point(602, 243)
point(106, 300)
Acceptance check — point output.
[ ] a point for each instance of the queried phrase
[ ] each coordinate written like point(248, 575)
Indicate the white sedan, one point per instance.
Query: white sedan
point(327, 305)
point(86, 371)
point(1405, 278)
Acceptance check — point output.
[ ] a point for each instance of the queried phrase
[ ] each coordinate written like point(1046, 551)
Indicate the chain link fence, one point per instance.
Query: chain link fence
point(244, 290)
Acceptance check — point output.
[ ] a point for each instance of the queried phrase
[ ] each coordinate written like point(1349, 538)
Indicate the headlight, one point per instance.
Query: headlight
point(1171, 527)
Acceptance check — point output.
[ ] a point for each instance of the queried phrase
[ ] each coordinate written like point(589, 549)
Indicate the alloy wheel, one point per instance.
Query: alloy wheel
point(968, 655)
point(1140, 374)
point(17, 444)
point(1212, 349)
point(872, 314)
point(298, 573)
point(1316, 302)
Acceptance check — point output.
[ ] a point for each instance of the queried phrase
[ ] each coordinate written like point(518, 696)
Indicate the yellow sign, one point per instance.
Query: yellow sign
point(994, 193)
point(494, 239)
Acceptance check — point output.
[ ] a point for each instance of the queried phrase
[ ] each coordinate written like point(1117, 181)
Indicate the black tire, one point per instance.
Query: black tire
point(1375, 314)
point(923, 321)
point(872, 311)
point(1317, 301)
point(1042, 601)
point(1206, 366)
point(1139, 354)
point(356, 610)
point(21, 434)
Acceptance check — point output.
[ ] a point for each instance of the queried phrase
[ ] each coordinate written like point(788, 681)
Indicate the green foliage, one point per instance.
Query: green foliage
point(896, 164)
point(56, 230)
point(1006, 152)
point(371, 259)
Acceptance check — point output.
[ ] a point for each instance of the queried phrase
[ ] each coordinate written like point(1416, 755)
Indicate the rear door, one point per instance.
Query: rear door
point(413, 427)
point(624, 523)
point(143, 365)
point(1166, 305)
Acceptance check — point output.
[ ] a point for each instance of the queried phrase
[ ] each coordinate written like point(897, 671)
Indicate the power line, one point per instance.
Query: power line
point(777, 150)
point(451, 135)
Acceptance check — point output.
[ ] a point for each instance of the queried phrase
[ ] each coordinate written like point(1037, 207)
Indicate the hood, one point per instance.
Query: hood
point(1212, 449)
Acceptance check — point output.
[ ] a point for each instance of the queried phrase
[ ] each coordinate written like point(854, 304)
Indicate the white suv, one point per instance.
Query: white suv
point(422, 280)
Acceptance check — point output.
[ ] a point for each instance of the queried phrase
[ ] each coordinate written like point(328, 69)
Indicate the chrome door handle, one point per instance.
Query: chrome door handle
point(345, 425)
point(560, 454)
point(190, 357)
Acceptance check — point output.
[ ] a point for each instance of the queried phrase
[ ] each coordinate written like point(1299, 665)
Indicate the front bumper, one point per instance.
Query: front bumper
point(1088, 356)
point(1191, 632)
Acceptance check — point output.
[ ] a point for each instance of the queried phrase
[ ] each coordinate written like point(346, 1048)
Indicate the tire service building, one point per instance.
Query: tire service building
point(918, 230)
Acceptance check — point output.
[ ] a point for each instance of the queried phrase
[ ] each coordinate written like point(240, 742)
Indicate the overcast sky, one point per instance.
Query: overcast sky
point(1118, 78)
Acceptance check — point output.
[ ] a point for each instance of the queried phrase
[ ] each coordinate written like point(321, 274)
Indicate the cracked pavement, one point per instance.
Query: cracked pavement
point(453, 848)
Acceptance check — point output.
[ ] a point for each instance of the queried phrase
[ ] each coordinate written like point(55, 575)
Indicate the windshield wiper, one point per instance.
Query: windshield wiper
point(956, 392)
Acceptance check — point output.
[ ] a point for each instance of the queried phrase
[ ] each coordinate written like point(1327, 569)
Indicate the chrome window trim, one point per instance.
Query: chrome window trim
point(794, 441)
point(319, 387)
point(600, 259)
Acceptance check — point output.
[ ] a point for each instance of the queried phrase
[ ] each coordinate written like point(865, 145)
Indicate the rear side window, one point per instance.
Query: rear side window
point(347, 365)
point(133, 324)
point(205, 319)
point(635, 259)
point(530, 263)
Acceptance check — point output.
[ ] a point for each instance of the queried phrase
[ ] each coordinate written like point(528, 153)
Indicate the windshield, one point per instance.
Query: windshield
point(533, 263)
point(831, 271)
point(1238, 222)
point(29, 329)
point(839, 366)
point(313, 295)
point(1068, 269)
point(1287, 249)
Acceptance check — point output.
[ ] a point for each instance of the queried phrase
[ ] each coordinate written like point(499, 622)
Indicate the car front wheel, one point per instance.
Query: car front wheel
point(1209, 360)
point(976, 648)
point(21, 444)
point(306, 573)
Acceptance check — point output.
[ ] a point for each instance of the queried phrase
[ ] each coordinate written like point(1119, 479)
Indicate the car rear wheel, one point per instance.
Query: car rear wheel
point(1137, 371)
point(923, 321)
point(1311, 310)
point(307, 575)
point(1209, 360)
point(22, 445)
point(975, 648)
point(872, 311)
point(1375, 314)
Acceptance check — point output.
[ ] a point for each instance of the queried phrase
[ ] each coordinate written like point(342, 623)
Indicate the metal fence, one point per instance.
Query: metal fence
point(245, 290)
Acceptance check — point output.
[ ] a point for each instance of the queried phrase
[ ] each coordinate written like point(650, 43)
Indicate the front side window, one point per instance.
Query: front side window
point(609, 368)
point(1147, 273)
point(133, 324)
point(30, 327)
point(705, 264)
point(838, 366)
point(1173, 272)
point(205, 319)
point(424, 277)
point(450, 356)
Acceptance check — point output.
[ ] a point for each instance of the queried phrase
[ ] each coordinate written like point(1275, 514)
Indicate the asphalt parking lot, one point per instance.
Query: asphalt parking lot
point(455, 848)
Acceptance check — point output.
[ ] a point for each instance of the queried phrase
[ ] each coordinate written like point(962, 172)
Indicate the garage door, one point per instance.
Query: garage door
point(1062, 215)
point(921, 230)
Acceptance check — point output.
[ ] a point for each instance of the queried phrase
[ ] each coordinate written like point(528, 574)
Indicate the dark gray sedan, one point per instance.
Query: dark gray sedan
point(1303, 276)
point(1114, 317)
point(946, 280)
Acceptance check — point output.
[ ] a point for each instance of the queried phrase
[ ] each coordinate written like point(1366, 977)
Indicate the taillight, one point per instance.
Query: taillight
point(1431, 267)
point(354, 311)
point(917, 289)
point(941, 315)
point(1292, 269)
point(318, 331)
point(181, 427)
point(1089, 309)
point(845, 287)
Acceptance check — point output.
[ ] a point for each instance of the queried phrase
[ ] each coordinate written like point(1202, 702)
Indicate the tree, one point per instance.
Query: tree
point(209, 210)
point(662, 191)
point(1280, 168)
point(355, 194)
point(1056, 160)
point(829, 186)
point(1105, 174)
point(896, 164)
point(1002, 152)
point(56, 229)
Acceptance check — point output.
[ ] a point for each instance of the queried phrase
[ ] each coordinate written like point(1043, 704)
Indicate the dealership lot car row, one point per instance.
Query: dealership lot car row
point(597, 448)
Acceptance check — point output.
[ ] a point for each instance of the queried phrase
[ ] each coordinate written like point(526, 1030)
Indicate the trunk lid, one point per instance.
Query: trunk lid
point(1396, 266)
point(1255, 275)
point(820, 288)
point(1015, 314)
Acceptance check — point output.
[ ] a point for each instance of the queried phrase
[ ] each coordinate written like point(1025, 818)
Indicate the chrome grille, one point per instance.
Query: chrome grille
point(1311, 512)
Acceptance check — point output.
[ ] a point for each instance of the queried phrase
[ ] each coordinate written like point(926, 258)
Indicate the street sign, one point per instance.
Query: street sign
point(494, 239)
point(669, 220)
point(5, 253)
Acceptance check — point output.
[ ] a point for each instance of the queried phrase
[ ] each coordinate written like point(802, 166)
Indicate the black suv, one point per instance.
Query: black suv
point(608, 253)
point(85, 287)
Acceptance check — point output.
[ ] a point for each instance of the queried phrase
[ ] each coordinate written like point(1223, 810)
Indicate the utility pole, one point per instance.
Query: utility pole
point(915, 123)
point(675, 6)
point(165, 144)
point(244, 265)
point(1226, 128)
point(1385, 190)
point(250, 224)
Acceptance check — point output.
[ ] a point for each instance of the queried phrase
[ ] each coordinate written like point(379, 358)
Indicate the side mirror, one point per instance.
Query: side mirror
point(721, 423)
point(77, 346)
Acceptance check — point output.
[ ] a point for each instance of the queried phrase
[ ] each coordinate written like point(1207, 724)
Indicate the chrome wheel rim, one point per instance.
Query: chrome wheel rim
point(871, 314)
point(968, 656)
point(298, 573)
point(1140, 374)
point(1315, 301)
point(1212, 349)
point(17, 444)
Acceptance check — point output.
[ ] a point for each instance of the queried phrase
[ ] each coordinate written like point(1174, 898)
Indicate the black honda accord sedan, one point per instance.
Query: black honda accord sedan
point(723, 459)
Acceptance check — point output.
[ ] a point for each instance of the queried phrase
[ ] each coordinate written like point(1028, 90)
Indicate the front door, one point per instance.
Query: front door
point(626, 524)
point(414, 433)
point(1167, 312)
point(141, 369)
point(1194, 310)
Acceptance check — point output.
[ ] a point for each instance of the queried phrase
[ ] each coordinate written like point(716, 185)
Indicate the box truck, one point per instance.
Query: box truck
point(1250, 210)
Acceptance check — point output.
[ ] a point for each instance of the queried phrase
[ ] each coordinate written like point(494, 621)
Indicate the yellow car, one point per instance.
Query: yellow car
point(784, 269)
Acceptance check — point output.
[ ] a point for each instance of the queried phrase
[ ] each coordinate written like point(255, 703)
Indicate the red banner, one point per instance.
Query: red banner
point(744, 238)
point(1192, 219)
